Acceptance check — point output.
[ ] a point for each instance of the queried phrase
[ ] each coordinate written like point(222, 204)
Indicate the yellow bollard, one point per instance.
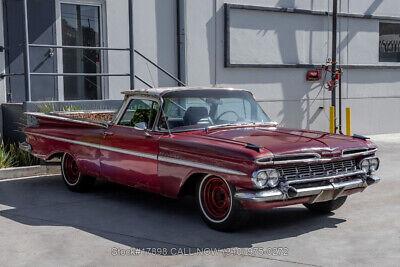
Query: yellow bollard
point(348, 121)
point(332, 123)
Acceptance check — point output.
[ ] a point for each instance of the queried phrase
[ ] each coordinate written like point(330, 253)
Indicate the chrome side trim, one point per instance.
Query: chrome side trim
point(129, 152)
point(68, 119)
point(113, 149)
point(199, 165)
point(144, 155)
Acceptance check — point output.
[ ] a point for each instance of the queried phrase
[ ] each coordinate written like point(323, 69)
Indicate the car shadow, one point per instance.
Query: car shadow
point(142, 220)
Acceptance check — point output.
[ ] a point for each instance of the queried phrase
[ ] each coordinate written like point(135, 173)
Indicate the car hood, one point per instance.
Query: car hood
point(288, 141)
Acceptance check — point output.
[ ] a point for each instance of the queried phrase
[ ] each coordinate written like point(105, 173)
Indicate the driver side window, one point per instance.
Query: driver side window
point(140, 110)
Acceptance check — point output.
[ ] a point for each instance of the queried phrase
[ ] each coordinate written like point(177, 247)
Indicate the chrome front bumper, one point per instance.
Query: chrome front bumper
point(330, 191)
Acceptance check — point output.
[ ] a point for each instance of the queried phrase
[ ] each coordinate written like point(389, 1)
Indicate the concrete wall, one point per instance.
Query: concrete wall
point(155, 37)
point(260, 37)
point(265, 37)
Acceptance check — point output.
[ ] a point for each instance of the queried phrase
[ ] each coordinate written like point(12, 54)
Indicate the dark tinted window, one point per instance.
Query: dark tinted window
point(81, 27)
point(389, 42)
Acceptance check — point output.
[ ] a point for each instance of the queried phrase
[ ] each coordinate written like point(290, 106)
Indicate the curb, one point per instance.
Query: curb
point(19, 172)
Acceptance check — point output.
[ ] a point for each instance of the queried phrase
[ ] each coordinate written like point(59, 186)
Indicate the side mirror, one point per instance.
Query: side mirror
point(141, 126)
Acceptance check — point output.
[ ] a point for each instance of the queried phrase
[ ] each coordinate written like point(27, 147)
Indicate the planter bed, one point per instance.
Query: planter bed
point(98, 115)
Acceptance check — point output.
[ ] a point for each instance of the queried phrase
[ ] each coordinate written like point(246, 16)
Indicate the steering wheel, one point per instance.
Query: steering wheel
point(226, 112)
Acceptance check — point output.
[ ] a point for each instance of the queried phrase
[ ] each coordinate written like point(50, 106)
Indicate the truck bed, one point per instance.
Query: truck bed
point(78, 118)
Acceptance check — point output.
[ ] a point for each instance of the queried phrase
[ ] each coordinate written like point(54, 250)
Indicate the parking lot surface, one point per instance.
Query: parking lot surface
point(41, 222)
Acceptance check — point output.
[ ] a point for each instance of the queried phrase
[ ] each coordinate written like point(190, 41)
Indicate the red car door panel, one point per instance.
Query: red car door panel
point(128, 154)
point(129, 157)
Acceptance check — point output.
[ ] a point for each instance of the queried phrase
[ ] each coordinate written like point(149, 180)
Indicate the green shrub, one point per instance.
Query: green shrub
point(6, 158)
point(50, 107)
point(22, 158)
point(47, 108)
point(12, 156)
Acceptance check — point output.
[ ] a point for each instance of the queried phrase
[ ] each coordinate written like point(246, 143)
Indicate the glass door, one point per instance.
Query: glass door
point(81, 26)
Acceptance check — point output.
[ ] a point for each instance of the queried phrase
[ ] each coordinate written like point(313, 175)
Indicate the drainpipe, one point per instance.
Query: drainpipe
point(131, 46)
point(334, 43)
point(181, 39)
point(27, 64)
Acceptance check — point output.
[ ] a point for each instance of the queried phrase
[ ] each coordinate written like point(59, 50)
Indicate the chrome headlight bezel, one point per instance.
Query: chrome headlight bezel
point(369, 165)
point(266, 178)
point(374, 164)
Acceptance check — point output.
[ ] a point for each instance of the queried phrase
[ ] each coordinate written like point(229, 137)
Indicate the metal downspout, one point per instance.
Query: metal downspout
point(181, 39)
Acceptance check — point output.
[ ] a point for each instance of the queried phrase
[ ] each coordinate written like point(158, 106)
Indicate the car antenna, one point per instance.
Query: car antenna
point(165, 118)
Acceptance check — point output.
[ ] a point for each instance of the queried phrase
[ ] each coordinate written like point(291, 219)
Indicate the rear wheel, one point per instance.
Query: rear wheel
point(217, 206)
point(327, 206)
point(72, 177)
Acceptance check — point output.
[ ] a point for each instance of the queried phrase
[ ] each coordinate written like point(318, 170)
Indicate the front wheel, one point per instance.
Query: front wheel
point(216, 204)
point(326, 206)
point(73, 178)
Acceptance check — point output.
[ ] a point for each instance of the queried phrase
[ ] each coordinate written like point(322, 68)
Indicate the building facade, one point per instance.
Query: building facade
point(266, 46)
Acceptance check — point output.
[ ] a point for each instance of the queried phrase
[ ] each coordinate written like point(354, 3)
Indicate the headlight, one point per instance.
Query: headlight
point(273, 177)
point(266, 178)
point(365, 166)
point(260, 179)
point(373, 164)
point(369, 165)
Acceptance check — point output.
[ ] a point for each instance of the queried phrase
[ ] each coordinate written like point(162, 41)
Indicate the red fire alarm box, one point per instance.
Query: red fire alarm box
point(314, 75)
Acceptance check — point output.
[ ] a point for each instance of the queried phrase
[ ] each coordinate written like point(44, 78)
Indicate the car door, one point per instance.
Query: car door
point(128, 153)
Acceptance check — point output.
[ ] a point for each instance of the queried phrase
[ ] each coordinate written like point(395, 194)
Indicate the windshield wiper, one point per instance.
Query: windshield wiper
point(274, 123)
point(224, 125)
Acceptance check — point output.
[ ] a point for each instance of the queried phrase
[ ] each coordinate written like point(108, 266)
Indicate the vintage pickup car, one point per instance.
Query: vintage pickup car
point(214, 143)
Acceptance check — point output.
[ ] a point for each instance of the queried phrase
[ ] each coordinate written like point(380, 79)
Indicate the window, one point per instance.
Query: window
point(389, 42)
point(140, 110)
point(188, 110)
point(81, 26)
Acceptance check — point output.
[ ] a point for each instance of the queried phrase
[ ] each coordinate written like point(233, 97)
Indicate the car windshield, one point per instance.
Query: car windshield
point(202, 109)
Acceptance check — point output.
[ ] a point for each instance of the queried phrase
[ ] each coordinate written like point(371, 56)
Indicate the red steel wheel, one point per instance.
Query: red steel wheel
point(70, 170)
point(218, 208)
point(216, 198)
point(72, 176)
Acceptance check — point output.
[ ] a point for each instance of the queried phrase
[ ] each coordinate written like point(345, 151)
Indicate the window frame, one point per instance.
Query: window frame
point(125, 106)
point(103, 42)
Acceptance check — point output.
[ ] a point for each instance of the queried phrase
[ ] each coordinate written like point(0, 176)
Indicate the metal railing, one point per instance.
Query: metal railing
point(132, 51)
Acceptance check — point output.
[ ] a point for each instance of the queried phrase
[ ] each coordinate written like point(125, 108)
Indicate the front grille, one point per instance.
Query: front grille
point(317, 170)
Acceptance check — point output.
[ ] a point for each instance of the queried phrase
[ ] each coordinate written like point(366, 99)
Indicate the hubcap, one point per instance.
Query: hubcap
point(70, 170)
point(216, 198)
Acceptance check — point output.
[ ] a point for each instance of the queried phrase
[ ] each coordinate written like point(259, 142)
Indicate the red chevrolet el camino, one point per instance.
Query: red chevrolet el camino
point(214, 143)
